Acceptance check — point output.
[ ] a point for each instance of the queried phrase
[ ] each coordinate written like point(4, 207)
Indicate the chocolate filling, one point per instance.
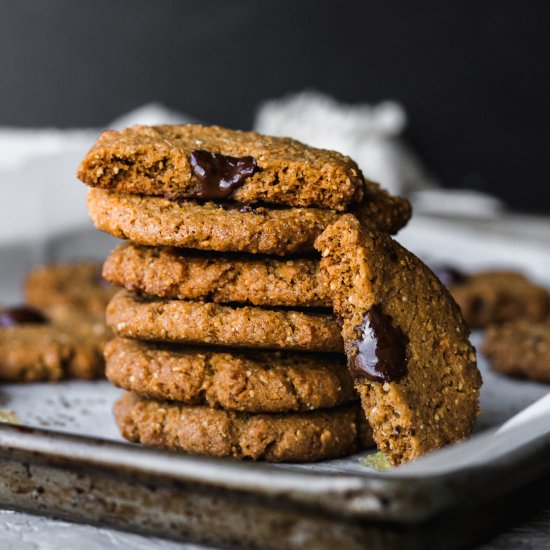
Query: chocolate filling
point(22, 315)
point(381, 349)
point(220, 174)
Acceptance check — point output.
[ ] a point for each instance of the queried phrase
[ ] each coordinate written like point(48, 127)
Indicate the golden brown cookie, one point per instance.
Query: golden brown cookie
point(156, 221)
point(520, 348)
point(189, 322)
point(184, 274)
point(406, 341)
point(383, 211)
point(63, 290)
point(246, 381)
point(33, 348)
point(498, 296)
point(293, 437)
point(194, 161)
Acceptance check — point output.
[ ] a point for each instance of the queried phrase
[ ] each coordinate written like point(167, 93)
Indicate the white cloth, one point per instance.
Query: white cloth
point(370, 134)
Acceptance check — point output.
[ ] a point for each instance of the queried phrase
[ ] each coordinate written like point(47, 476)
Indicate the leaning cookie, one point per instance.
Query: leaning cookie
point(521, 348)
point(63, 290)
point(33, 348)
point(406, 342)
point(221, 278)
point(294, 437)
point(189, 322)
point(245, 381)
point(499, 296)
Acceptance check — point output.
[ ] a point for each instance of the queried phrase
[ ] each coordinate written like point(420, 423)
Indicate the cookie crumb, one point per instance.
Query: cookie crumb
point(9, 416)
point(377, 461)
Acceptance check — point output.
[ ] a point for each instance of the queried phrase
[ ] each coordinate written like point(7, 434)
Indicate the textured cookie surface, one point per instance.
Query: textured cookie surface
point(139, 317)
point(63, 290)
point(176, 273)
point(520, 348)
point(246, 381)
point(406, 341)
point(156, 221)
point(52, 350)
point(157, 161)
point(388, 213)
point(293, 437)
point(499, 296)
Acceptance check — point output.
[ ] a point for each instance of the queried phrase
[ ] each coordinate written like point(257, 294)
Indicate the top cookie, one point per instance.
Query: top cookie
point(212, 163)
point(406, 342)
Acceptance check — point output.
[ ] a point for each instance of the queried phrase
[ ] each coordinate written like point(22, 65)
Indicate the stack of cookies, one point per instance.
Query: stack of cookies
point(226, 342)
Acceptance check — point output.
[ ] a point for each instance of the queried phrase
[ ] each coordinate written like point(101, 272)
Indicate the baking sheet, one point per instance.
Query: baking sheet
point(84, 408)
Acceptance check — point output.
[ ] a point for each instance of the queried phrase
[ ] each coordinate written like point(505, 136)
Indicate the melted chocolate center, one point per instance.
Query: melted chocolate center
point(449, 275)
point(22, 315)
point(381, 349)
point(220, 174)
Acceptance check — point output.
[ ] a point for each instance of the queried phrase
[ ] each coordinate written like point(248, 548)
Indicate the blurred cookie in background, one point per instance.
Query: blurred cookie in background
point(520, 348)
point(490, 297)
point(60, 331)
point(34, 347)
point(64, 290)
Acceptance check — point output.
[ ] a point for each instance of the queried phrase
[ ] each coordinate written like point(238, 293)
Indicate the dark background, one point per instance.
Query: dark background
point(473, 75)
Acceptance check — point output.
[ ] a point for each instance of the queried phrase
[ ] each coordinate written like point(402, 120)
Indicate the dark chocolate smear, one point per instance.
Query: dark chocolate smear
point(21, 315)
point(220, 174)
point(381, 349)
point(449, 275)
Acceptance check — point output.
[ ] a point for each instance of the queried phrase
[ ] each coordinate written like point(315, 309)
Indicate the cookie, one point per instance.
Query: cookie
point(63, 290)
point(498, 296)
point(146, 318)
point(184, 274)
point(201, 162)
point(406, 342)
point(293, 437)
point(156, 221)
point(241, 381)
point(520, 348)
point(385, 212)
point(33, 348)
